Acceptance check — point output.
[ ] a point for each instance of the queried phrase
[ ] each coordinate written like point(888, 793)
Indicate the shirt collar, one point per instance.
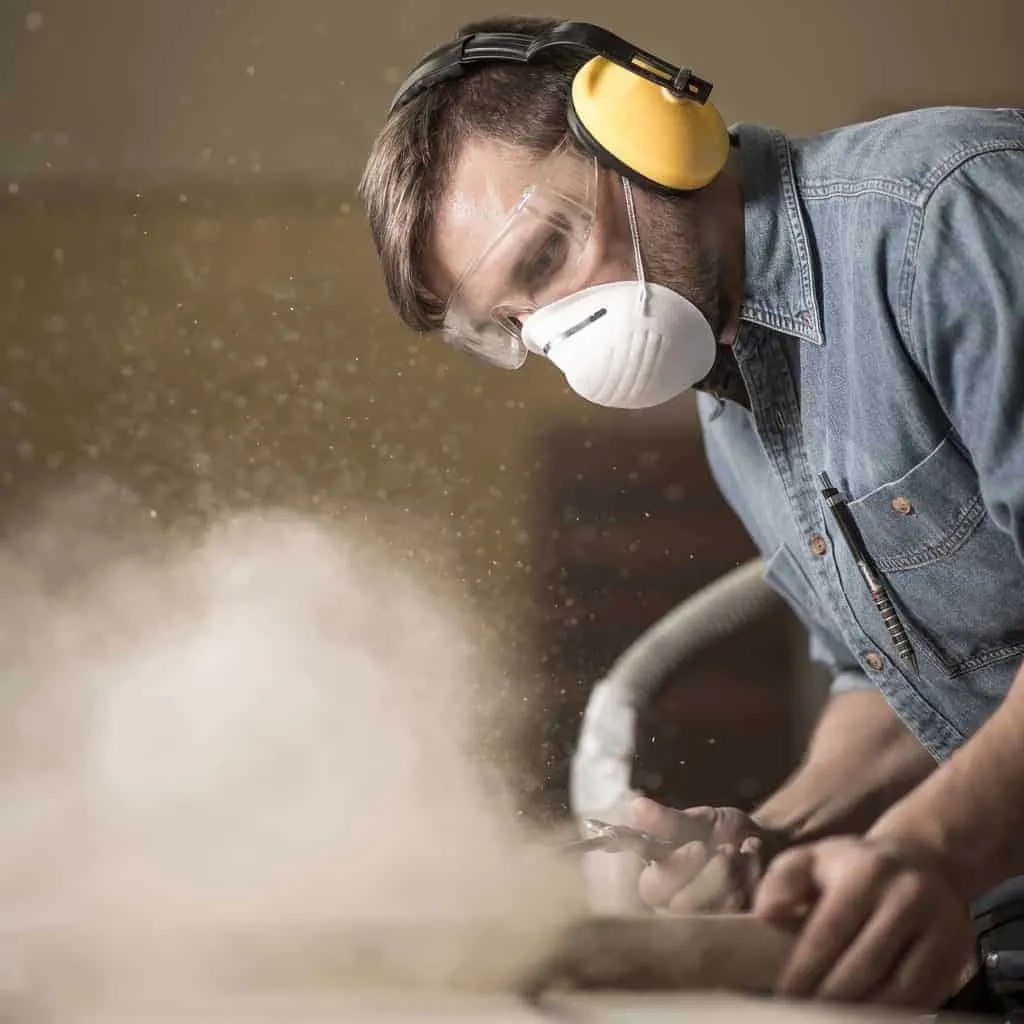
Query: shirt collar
point(779, 290)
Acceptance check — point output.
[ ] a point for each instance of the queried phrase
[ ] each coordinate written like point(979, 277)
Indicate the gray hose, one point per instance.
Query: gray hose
point(602, 762)
point(724, 607)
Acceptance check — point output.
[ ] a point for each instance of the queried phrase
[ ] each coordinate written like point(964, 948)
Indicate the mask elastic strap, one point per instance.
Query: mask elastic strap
point(634, 231)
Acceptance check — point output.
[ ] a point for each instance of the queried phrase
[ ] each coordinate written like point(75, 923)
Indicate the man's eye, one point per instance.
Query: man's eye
point(546, 261)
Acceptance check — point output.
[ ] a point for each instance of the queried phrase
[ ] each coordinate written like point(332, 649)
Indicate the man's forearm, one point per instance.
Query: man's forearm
point(972, 809)
point(860, 761)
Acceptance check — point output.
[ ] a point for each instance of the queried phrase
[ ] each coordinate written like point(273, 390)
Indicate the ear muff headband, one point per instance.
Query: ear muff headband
point(648, 119)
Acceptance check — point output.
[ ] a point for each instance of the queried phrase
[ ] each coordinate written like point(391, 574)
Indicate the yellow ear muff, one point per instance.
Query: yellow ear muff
point(672, 143)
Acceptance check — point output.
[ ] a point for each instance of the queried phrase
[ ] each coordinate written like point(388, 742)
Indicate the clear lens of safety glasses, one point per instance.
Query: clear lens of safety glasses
point(536, 257)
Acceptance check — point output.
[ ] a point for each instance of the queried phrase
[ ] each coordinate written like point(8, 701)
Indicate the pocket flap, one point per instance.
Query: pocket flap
point(925, 515)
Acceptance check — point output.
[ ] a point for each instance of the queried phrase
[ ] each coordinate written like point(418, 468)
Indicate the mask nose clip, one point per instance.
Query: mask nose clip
point(575, 328)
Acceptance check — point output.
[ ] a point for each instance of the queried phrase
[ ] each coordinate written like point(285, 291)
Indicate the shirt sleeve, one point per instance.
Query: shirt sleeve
point(965, 318)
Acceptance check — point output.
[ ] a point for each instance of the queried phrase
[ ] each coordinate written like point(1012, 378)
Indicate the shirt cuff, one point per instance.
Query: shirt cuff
point(847, 682)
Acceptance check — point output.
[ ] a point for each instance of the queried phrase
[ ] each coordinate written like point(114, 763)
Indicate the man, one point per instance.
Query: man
point(851, 305)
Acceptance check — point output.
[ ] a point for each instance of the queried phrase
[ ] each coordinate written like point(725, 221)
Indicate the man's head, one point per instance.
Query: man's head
point(449, 166)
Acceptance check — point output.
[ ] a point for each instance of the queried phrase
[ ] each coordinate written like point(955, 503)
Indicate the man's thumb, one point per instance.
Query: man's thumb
point(667, 823)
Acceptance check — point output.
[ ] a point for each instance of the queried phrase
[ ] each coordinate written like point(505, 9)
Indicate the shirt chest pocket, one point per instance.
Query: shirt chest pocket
point(955, 577)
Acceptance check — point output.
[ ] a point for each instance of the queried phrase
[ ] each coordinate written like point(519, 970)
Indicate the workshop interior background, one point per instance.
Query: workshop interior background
point(189, 304)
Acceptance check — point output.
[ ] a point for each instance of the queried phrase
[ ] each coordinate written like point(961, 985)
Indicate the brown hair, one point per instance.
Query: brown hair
point(413, 156)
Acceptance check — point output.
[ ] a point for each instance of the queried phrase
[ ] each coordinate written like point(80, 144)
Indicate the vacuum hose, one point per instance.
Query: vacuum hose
point(599, 781)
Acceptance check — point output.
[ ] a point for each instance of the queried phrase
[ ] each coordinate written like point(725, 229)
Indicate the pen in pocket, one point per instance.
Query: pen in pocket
point(879, 595)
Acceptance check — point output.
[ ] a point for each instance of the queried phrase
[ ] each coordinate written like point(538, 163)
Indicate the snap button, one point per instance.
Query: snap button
point(874, 660)
point(818, 545)
point(902, 506)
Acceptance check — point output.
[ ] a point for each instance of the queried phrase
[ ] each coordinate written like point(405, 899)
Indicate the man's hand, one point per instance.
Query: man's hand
point(721, 857)
point(883, 923)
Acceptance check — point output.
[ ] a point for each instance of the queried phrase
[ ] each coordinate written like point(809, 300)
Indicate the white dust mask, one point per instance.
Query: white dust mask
point(629, 344)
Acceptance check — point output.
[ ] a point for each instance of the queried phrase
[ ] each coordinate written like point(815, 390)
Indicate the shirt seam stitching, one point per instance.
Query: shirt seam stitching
point(908, 277)
point(905, 193)
point(791, 195)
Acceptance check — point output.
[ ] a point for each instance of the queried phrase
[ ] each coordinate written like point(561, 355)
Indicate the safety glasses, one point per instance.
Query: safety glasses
point(536, 257)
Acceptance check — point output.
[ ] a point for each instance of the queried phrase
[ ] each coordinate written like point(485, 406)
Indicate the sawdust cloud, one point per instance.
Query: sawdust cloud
point(265, 734)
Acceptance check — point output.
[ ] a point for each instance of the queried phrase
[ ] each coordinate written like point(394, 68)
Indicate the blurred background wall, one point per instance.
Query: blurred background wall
point(189, 304)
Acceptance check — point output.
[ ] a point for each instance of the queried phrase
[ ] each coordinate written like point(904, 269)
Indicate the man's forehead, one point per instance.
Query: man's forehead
point(487, 182)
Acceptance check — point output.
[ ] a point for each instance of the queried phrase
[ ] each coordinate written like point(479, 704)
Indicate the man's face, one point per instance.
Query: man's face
point(489, 179)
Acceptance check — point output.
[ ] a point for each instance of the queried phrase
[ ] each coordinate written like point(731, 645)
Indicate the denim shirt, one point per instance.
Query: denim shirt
point(882, 341)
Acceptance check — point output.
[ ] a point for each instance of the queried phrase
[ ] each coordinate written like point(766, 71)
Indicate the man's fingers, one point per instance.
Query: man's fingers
point(927, 973)
point(692, 825)
point(751, 866)
point(751, 845)
point(839, 915)
point(660, 882)
point(882, 929)
point(720, 887)
point(695, 880)
point(787, 888)
point(716, 866)
point(869, 960)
